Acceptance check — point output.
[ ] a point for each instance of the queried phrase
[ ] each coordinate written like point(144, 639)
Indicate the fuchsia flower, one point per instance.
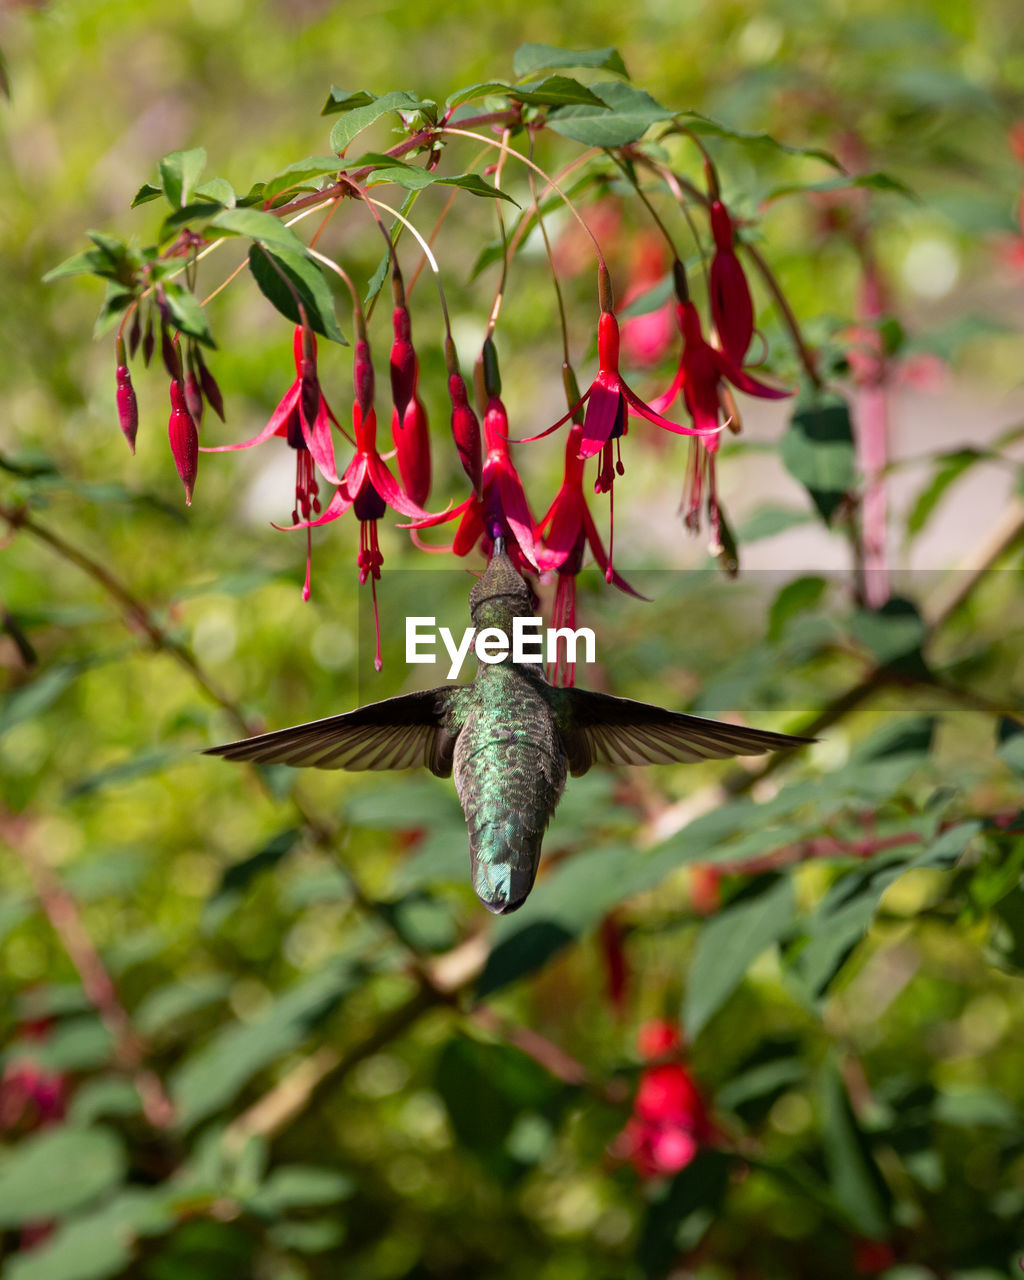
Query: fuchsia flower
point(670, 1120)
point(184, 438)
point(303, 418)
point(127, 405)
point(367, 486)
point(570, 529)
point(499, 508)
point(731, 307)
point(465, 430)
point(409, 418)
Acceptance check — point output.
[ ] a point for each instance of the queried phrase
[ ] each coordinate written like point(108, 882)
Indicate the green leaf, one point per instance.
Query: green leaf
point(56, 1171)
point(260, 226)
point(179, 173)
point(1011, 744)
point(477, 186)
point(268, 263)
point(88, 262)
point(341, 100)
point(31, 700)
point(698, 123)
point(856, 1181)
point(187, 312)
point(299, 1187)
point(485, 89)
point(216, 1072)
point(294, 174)
point(626, 116)
point(356, 119)
point(146, 193)
point(769, 522)
point(555, 91)
point(892, 634)
point(685, 1208)
point(218, 190)
point(103, 1096)
point(951, 467)
point(176, 1001)
point(530, 58)
point(197, 211)
point(729, 944)
point(794, 598)
point(142, 765)
point(818, 450)
point(871, 181)
point(98, 1244)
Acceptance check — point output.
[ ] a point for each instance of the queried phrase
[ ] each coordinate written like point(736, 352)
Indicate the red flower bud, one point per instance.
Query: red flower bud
point(169, 351)
point(148, 341)
point(363, 375)
point(210, 389)
point(403, 362)
point(184, 438)
point(127, 405)
point(412, 440)
point(608, 341)
point(135, 332)
point(466, 430)
point(193, 397)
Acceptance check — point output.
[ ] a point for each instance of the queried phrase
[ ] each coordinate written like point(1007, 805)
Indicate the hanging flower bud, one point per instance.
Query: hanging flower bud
point(466, 431)
point(194, 397)
point(127, 405)
point(148, 341)
point(412, 440)
point(731, 307)
point(404, 368)
point(135, 332)
point(184, 439)
point(362, 371)
point(170, 354)
point(209, 385)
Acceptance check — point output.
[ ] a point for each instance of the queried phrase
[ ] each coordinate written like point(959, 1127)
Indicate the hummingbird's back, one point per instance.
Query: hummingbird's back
point(510, 770)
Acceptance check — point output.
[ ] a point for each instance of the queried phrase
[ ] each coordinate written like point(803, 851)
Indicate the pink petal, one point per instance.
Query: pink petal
point(602, 413)
point(645, 411)
point(277, 421)
point(516, 511)
point(390, 490)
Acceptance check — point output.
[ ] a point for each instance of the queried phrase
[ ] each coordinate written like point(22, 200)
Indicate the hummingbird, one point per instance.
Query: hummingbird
point(510, 738)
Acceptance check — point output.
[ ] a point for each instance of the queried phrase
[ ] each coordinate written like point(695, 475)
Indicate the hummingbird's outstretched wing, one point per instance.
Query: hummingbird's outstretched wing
point(397, 733)
point(601, 729)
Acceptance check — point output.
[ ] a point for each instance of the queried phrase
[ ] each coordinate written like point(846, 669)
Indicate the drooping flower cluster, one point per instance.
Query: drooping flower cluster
point(670, 1122)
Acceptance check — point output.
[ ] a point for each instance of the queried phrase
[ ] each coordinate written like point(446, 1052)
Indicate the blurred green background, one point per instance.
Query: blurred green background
point(371, 1077)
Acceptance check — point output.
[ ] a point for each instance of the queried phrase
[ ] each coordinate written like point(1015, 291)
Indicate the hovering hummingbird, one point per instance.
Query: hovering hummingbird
point(510, 738)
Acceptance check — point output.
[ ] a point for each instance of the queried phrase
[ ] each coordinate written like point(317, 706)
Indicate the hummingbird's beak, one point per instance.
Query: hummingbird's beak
point(499, 546)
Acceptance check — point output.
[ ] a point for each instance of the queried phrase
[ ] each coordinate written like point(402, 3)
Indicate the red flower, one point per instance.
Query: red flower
point(670, 1120)
point(731, 307)
point(570, 529)
point(409, 418)
point(184, 438)
point(500, 509)
point(303, 417)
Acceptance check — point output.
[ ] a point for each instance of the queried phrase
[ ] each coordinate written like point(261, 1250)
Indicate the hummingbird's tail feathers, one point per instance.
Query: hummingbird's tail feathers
point(397, 733)
point(602, 729)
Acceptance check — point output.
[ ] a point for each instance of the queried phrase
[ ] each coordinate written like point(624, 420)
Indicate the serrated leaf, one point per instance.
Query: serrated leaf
point(293, 174)
point(187, 312)
point(818, 450)
point(729, 944)
point(702, 124)
point(626, 116)
point(354, 121)
point(342, 100)
point(56, 1171)
point(260, 226)
point(179, 173)
point(485, 89)
point(268, 263)
point(554, 91)
point(529, 58)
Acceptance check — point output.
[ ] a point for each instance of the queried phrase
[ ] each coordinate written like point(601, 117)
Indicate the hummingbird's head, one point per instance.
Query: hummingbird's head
point(501, 592)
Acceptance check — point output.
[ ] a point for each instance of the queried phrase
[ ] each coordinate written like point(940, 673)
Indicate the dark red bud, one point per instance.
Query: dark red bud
point(169, 351)
point(193, 397)
point(210, 389)
point(679, 280)
point(466, 431)
point(404, 369)
point(127, 406)
point(412, 440)
point(491, 373)
point(184, 438)
point(608, 342)
point(148, 342)
point(309, 391)
point(721, 227)
point(135, 332)
point(363, 376)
